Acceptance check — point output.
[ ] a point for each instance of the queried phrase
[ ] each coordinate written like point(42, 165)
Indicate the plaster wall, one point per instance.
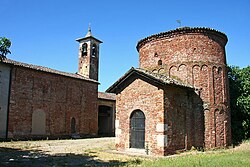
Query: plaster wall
point(4, 97)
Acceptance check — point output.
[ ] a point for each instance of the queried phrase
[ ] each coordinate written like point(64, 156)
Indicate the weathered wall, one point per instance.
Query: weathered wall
point(57, 97)
point(174, 117)
point(195, 56)
point(184, 119)
point(4, 98)
point(88, 64)
point(150, 100)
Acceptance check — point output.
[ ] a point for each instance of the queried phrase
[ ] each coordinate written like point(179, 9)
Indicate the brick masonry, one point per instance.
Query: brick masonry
point(61, 98)
point(177, 118)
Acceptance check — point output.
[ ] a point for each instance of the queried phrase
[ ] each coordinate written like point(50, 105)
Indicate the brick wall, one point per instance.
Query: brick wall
point(185, 119)
point(195, 56)
point(60, 98)
point(147, 98)
point(174, 117)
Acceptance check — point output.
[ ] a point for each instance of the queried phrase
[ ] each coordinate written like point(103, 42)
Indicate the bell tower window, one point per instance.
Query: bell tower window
point(84, 49)
point(94, 50)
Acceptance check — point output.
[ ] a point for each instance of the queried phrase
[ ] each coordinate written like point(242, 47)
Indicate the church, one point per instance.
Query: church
point(178, 98)
point(39, 102)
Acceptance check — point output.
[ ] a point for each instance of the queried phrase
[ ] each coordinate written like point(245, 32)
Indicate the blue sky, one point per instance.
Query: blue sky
point(43, 32)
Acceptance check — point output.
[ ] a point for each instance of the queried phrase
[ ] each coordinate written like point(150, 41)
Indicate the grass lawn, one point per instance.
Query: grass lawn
point(234, 157)
point(217, 158)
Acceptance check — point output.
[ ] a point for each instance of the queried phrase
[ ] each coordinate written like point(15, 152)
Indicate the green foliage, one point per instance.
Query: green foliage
point(5, 44)
point(239, 85)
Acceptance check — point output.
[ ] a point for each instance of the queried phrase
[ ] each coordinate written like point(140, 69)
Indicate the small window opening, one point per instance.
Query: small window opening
point(156, 55)
point(84, 49)
point(94, 50)
point(73, 125)
point(159, 62)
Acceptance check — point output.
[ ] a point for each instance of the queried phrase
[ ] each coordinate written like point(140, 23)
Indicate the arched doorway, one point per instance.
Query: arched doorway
point(73, 125)
point(137, 129)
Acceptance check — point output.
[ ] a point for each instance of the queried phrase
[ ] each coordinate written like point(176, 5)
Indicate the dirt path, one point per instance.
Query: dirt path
point(80, 152)
point(53, 147)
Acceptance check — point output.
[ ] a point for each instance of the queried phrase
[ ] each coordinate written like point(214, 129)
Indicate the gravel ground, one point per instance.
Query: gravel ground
point(80, 152)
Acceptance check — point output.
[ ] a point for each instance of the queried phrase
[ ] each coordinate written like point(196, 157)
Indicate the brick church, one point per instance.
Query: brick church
point(178, 97)
point(39, 102)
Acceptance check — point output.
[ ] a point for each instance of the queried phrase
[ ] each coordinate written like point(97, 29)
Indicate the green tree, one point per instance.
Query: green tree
point(5, 44)
point(239, 85)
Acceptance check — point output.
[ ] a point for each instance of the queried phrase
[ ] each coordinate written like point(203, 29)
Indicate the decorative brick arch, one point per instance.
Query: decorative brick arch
point(205, 83)
point(182, 72)
point(173, 71)
point(196, 75)
point(154, 71)
point(161, 71)
point(217, 84)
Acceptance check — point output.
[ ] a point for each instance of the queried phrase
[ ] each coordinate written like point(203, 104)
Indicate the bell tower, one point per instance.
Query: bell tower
point(88, 56)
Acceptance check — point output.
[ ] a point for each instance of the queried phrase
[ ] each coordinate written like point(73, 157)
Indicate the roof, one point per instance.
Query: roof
point(150, 77)
point(87, 36)
point(46, 69)
point(84, 38)
point(182, 30)
point(106, 96)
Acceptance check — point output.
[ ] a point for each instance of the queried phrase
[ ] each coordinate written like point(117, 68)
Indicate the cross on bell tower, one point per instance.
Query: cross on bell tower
point(88, 56)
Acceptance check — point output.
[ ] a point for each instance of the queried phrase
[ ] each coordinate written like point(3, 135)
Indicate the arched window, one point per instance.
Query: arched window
point(159, 62)
point(137, 129)
point(94, 50)
point(84, 49)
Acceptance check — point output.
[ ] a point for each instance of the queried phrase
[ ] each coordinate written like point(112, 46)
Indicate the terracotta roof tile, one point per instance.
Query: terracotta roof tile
point(46, 69)
point(163, 78)
point(154, 77)
point(106, 96)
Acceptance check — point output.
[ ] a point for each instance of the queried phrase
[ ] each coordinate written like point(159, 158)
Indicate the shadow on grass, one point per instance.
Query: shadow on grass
point(37, 158)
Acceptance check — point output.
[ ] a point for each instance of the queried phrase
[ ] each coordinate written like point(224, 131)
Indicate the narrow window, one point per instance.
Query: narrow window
point(94, 50)
point(73, 125)
point(84, 49)
point(159, 62)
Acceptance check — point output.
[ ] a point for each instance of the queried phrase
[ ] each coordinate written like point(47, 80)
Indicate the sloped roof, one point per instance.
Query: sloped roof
point(106, 96)
point(88, 36)
point(46, 69)
point(150, 77)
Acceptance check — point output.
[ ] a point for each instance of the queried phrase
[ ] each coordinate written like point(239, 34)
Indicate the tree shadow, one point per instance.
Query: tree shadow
point(37, 158)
